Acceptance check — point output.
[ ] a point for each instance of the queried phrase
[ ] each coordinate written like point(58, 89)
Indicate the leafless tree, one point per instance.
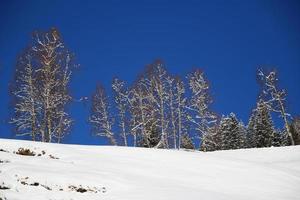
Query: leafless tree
point(141, 111)
point(121, 97)
point(41, 88)
point(25, 97)
point(275, 97)
point(201, 117)
point(181, 109)
point(100, 117)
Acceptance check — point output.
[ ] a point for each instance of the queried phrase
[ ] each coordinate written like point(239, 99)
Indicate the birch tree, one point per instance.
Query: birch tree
point(173, 105)
point(44, 74)
point(201, 116)
point(121, 100)
point(100, 117)
point(157, 78)
point(275, 97)
point(180, 110)
point(53, 78)
point(142, 112)
point(24, 91)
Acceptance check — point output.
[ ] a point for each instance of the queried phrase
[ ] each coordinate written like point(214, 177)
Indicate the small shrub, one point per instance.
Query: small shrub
point(25, 152)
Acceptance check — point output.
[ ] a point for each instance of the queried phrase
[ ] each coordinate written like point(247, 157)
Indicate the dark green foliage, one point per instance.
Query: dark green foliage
point(260, 128)
point(154, 136)
point(277, 139)
point(211, 141)
point(232, 134)
point(187, 142)
point(295, 130)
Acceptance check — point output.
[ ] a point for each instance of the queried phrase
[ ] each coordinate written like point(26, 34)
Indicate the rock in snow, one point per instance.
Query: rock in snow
point(58, 171)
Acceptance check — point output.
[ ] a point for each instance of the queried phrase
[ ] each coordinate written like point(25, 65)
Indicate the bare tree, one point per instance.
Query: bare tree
point(141, 110)
point(121, 101)
point(44, 73)
point(176, 109)
point(172, 108)
point(100, 118)
point(275, 97)
point(181, 109)
point(199, 103)
point(158, 85)
point(25, 97)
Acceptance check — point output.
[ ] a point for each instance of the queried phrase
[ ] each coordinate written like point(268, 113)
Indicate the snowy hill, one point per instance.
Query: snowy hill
point(67, 172)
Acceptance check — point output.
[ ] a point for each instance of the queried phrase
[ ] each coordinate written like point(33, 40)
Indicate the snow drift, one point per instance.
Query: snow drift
point(55, 171)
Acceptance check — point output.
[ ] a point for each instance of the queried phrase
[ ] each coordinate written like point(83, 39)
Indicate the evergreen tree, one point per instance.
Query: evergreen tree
point(277, 139)
point(295, 130)
point(250, 131)
point(231, 133)
point(187, 142)
point(261, 126)
point(242, 135)
point(211, 140)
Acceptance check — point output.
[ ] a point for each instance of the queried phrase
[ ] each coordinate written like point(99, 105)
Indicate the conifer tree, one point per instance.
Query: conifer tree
point(277, 139)
point(261, 126)
point(250, 131)
point(187, 142)
point(295, 130)
point(231, 132)
point(211, 140)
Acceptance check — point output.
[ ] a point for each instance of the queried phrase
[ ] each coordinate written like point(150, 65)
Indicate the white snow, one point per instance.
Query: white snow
point(125, 173)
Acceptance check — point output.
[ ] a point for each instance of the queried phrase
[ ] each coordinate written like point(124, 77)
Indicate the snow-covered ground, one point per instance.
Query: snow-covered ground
point(104, 172)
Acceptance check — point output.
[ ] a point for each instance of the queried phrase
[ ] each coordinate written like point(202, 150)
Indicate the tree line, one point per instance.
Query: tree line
point(159, 110)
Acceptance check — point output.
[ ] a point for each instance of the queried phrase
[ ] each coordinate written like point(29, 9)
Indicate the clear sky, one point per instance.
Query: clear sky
point(227, 39)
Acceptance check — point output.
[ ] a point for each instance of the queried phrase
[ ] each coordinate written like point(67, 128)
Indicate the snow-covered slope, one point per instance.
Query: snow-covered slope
point(104, 172)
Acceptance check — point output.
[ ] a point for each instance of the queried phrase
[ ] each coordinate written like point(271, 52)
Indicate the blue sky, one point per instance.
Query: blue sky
point(227, 39)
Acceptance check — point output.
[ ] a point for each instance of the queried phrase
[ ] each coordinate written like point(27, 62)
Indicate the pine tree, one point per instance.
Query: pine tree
point(231, 132)
point(277, 139)
point(295, 130)
point(187, 142)
point(261, 126)
point(250, 131)
point(211, 140)
point(242, 135)
point(100, 117)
